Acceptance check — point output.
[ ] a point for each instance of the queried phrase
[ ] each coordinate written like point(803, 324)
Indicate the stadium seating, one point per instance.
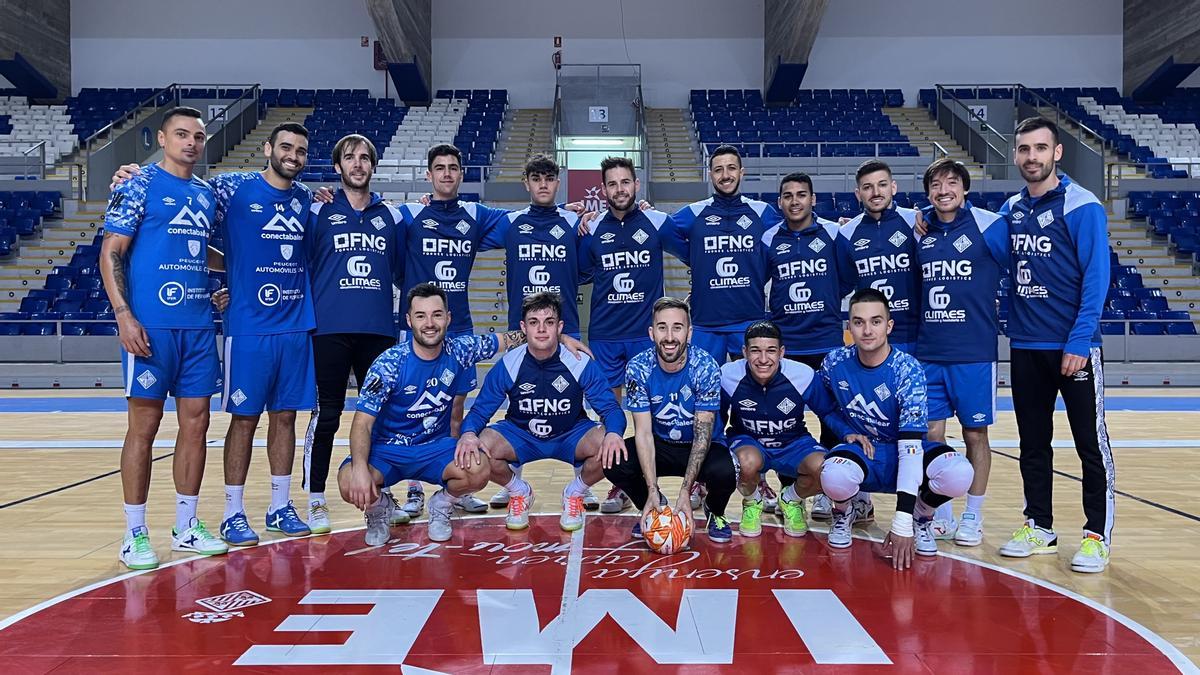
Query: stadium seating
point(93, 109)
point(29, 124)
point(1173, 215)
point(337, 112)
point(471, 119)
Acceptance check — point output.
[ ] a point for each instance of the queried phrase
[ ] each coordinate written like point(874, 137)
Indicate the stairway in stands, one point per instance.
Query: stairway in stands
point(248, 155)
point(527, 132)
point(56, 246)
point(922, 130)
point(1159, 268)
point(674, 152)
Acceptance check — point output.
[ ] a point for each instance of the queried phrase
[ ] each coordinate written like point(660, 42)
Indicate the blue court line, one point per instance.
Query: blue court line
point(82, 404)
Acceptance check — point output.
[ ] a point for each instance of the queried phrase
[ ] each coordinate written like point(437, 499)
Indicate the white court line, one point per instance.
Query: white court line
point(570, 598)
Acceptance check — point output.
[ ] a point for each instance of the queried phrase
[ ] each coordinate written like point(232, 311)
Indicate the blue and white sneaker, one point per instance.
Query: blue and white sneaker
point(636, 532)
point(718, 529)
point(236, 531)
point(287, 521)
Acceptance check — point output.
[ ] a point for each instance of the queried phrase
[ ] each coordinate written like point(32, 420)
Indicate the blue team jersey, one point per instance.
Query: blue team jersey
point(263, 232)
point(773, 414)
point(410, 397)
point(542, 252)
point(672, 399)
point(806, 289)
point(354, 258)
point(1060, 268)
point(442, 240)
point(723, 242)
point(961, 265)
point(881, 254)
point(170, 220)
point(880, 403)
point(546, 397)
point(625, 261)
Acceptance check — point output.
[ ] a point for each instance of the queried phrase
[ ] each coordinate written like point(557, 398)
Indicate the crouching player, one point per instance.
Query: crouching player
point(882, 393)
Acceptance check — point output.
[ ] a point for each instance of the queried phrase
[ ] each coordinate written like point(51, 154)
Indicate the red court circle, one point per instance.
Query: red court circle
point(544, 601)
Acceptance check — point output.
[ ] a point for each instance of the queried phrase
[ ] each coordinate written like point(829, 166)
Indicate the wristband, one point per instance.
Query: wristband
point(902, 524)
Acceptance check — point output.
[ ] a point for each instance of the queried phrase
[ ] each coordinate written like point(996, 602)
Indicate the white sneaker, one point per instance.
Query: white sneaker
point(136, 552)
point(926, 540)
point(943, 530)
point(841, 529)
point(197, 539)
point(415, 503)
point(590, 502)
point(822, 508)
point(864, 509)
point(970, 530)
point(399, 515)
point(518, 511)
point(1030, 540)
point(378, 517)
point(1092, 556)
point(697, 495)
point(770, 499)
point(467, 503)
point(318, 518)
point(572, 513)
point(500, 499)
point(439, 515)
point(616, 501)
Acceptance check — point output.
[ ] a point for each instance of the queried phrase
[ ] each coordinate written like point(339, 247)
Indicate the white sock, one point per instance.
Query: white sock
point(575, 488)
point(185, 510)
point(233, 500)
point(281, 487)
point(135, 516)
point(975, 504)
point(516, 486)
point(316, 498)
point(945, 512)
point(790, 495)
point(517, 470)
point(922, 511)
point(441, 501)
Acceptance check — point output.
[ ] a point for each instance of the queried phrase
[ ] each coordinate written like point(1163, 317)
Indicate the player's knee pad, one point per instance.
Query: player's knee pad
point(948, 472)
point(841, 475)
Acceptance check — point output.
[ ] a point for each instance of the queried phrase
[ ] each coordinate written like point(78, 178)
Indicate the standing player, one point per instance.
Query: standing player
point(546, 386)
point(401, 428)
point(962, 256)
point(625, 258)
point(1061, 273)
point(154, 265)
point(674, 393)
point(763, 397)
point(722, 237)
point(355, 257)
point(882, 393)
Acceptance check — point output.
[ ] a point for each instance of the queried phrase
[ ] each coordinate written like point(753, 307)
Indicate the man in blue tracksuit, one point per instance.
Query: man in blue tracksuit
point(1060, 267)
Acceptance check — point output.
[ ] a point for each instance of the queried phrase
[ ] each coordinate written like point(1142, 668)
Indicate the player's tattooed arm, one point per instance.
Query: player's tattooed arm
point(512, 339)
point(113, 251)
point(702, 428)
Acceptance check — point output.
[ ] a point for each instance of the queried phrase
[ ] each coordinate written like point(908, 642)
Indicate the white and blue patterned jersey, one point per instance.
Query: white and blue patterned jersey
point(961, 265)
point(723, 241)
point(882, 254)
point(266, 266)
point(545, 397)
point(773, 414)
point(884, 403)
point(410, 397)
point(170, 220)
point(542, 253)
point(672, 399)
point(806, 287)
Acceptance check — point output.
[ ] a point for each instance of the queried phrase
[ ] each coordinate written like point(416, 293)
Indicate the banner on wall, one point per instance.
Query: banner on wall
point(587, 186)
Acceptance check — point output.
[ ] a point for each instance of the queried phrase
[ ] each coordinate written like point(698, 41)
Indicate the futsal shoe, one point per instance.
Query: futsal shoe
point(970, 530)
point(466, 503)
point(841, 528)
point(697, 495)
point(1092, 556)
point(718, 529)
point(794, 522)
point(751, 525)
point(943, 530)
point(318, 518)
point(864, 509)
point(616, 501)
point(398, 515)
point(770, 499)
point(379, 518)
point(440, 508)
point(822, 508)
point(287, 521)
point(1030, 540)
point(572, 513)
point(236, 531)
point(136, 552)
point(926, 541)
point(636, 532)
point(518, 510)
point(500, 499)
point(414, 503)
point(590, 503)
point(197, 539)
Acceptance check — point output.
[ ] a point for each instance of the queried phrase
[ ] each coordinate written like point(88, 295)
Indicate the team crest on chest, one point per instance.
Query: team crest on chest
point(962, 243)
point(817, 246)
point(744, 222)
point(1045, 218)
point(286, 251)
point(194, 247)
point(557, 231)
point(640, 236)
point(786, 406)
point(898, 239)
point(559, 383)
point(462, 226)
point(882, 392)
point(203, 200)
point(295, 205)
point(377, 221)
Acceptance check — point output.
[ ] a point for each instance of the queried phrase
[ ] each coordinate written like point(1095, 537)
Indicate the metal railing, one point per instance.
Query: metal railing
point(981, 140)
point(1113, 177)
point(35, 160)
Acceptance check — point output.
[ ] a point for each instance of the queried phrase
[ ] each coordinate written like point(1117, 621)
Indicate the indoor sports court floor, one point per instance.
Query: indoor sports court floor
point(593, 602)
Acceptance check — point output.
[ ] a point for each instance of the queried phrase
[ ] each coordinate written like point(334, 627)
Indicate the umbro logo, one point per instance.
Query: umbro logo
point(525, 228)
point(256, 208)
point(713, 220)
point(410, 390)
point(337, 219)
point(607, 238)
point(783, 248)
point(862, 244)
point(429, 224)
point(168, 201)
point(928, 241)
point(748, 404)
point(527, 388)
point(843, 385)
point(1018, 215)
point(978, 417)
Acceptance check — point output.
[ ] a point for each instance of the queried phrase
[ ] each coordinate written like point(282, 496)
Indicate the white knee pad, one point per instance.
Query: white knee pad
point(950, 474)
point(840, 478)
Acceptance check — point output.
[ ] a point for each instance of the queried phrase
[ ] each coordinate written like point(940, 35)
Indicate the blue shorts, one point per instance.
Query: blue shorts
point(425, 462)
point(529, 448)
point(719, 343)
point(967, 390)
point(784, 460)
point(269, 372)
point(183, 363)
point(881, 471)
point(466, 384)
point(614, 355)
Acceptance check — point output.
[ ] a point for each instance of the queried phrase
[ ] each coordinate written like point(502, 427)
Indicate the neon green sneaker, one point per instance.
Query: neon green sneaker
point(1030, 540)
point(1092, 556)
point(795, 521)
point(751, 525)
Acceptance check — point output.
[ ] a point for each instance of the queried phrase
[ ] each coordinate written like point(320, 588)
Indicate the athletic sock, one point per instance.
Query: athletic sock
point(516, 486)
point(975, 504)
point(281, 487)
point(441, 501)
point(135, 516)
point(945, 512)
point(233, 500)
point(922, 511)
point(316, 498)
point(517, 470)
point(185, 510)
point(840, 507)
point(755, 496)
point(575, 488)
point(789, 494)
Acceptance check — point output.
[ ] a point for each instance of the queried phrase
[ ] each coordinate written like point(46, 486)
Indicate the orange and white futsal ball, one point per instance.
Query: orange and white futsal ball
point(666, 531)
